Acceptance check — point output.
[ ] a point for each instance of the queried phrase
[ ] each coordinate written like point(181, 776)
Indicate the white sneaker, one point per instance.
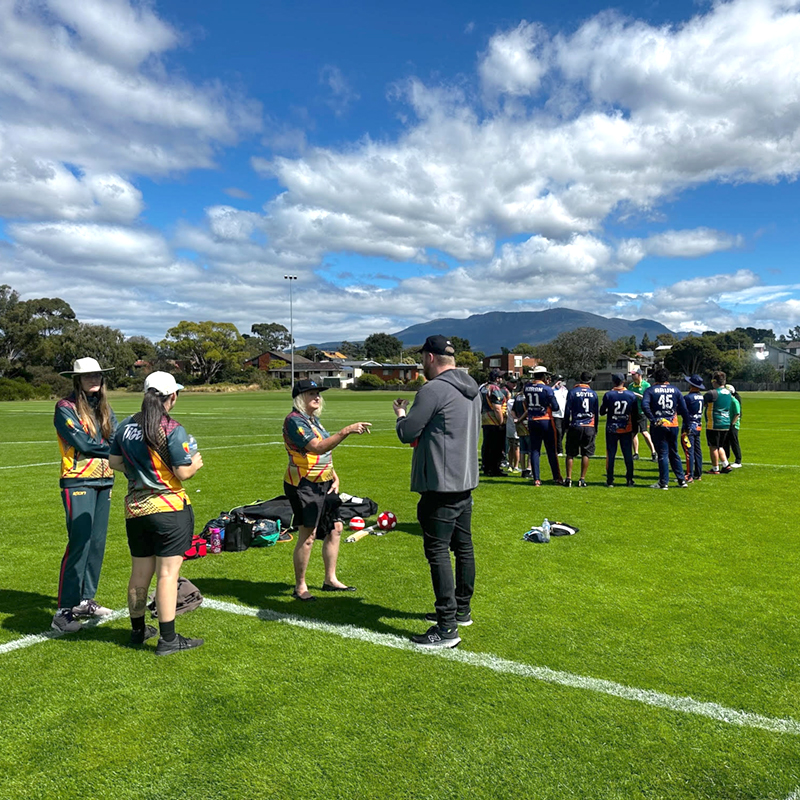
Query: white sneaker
point(658, 486)
point(90, 608)
point(736, 466)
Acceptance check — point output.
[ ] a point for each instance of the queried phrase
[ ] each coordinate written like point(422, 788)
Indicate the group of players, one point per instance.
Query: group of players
point(519, 417)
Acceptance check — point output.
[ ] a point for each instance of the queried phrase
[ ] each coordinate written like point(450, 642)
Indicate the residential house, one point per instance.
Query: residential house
point(389, 372)
point(779, 357)
point(510, 362)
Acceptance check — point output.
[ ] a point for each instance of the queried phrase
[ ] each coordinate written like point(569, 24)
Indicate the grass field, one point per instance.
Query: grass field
point(574, 681)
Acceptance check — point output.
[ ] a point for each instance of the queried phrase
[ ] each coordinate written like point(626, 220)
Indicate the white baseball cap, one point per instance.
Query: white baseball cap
point(164, 383)
point(85, 366)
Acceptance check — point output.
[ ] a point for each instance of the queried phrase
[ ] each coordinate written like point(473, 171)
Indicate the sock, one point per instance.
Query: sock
point(137, 623)
point(167, 630)
point(725, 463)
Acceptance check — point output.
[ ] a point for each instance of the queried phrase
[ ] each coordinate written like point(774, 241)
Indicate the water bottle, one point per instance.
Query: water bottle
point(192, 442)
point(546, 530)
point(216, 540)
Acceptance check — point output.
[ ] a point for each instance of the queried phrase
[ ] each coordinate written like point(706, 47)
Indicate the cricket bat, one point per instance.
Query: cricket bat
point(357, 537)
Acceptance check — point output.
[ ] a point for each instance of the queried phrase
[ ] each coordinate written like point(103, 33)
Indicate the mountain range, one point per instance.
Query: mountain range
point(497, 329)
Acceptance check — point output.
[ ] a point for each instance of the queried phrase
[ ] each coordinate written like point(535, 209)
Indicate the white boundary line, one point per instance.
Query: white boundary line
point(686, 705)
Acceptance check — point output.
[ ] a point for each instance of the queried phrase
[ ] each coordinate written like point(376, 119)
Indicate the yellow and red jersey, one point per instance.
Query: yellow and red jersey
point(298, 431)
point(84, 457)
point(153, 487)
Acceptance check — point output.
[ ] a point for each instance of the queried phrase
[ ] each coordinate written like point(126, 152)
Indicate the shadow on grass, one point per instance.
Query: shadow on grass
point(344, 608)
point(30, 612)
point(412, 528)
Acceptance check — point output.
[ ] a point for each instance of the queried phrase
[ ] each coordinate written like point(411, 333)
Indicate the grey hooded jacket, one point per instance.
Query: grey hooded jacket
point(445, 422)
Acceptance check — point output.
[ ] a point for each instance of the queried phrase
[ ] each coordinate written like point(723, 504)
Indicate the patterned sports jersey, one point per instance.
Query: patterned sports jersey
point(153, 488)
point(719, 405)
point(492, 392)
point(582, 407)
point(83, 457)
point(621, 407)
point(694, 407)
point(663, 403)
point(298, 431)
point(540, 399)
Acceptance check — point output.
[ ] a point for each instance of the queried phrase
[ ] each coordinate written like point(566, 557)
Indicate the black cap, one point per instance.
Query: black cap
point(307, 385)
point(438, 345)
point(618, 379)
point(586, 377)
point(494, 374)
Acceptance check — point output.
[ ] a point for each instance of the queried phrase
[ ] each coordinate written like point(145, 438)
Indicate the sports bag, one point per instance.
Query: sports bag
point(279, 508)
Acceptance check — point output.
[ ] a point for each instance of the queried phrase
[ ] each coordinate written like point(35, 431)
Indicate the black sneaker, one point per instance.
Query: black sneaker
point(463, 619)
point(526, 473)
point(635, 456)
point(654, 457)
point(582, 483)
point(177, 645)
point(630, 482)
point(567, 482)
point(726, 470)
point(140, 637)
point(683, 484)
point(610, 485)
point(436, 637)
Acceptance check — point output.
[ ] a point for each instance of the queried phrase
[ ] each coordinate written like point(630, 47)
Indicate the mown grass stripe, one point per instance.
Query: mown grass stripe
point(686, 705)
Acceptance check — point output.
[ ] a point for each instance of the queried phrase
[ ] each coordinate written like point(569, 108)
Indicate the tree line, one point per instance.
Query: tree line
point(41, 337)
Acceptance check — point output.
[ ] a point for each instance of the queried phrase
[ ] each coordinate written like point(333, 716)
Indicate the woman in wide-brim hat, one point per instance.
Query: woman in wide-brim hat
point(309, 479)
point(85, 425)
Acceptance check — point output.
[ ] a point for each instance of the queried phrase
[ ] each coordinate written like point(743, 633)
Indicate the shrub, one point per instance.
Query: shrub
point(17, 389)
point(367, 381)
point(416, 384)
point(394, 382)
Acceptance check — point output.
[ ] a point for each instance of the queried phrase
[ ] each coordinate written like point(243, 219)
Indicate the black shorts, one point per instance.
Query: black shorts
point(166, 534)
point(525, 444)
point(307, 500)
point(642, 424)
point(580, 440)
point(716, 439)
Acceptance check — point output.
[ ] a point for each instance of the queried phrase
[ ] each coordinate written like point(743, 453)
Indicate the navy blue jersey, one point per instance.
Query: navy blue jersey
point(582, 407)
point(663, 403)
point(621, 406)
point(540, 400)
point(694, 407)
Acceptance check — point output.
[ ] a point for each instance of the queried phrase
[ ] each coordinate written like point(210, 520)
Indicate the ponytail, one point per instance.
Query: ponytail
point(151, 419)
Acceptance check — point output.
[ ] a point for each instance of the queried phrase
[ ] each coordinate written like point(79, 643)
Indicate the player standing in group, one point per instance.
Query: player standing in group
point(580, 420)
point(733, 447)
point(663, 403)
point(157, 455)
point(560, 391)
point(692, 430)
point(638, 386)
point(493, 422)
point(540, 402)
point(621, 408)
point(443, 426)
point(516, 414)
point(85, 425)
point(718, 408)
point(309, 478)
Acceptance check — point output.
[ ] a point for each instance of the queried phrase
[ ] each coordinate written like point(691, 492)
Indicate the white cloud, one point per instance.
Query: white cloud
point(510, 64)
point(682, 244)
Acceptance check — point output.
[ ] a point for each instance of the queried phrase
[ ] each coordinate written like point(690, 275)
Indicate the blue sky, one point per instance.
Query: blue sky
point(174, 160)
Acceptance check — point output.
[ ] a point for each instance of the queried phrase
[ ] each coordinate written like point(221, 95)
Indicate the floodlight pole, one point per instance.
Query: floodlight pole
point(291, 278)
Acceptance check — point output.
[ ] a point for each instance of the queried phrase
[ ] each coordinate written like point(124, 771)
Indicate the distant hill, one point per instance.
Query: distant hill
point(490, 332)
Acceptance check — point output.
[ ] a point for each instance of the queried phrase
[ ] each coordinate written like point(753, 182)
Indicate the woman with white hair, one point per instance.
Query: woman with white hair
point(309, 478)
point(157, 455)
point(85, 425)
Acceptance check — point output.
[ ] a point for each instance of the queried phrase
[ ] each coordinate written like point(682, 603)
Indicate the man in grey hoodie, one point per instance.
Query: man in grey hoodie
point(443, 426)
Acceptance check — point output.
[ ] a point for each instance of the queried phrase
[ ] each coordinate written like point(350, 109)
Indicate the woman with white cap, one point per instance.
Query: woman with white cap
point(85, 425)
point(156, 454)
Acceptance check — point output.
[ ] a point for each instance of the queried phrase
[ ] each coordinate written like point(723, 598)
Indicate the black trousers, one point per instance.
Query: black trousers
point(446, 520)
point(733, 445)
point(559, 423)
point(494, 442)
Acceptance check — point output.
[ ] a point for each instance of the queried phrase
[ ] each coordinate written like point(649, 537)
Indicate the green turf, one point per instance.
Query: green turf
point(689, 593)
